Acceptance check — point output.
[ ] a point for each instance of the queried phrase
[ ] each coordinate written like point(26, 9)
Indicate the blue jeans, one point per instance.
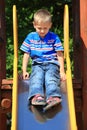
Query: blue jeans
point(46, 77)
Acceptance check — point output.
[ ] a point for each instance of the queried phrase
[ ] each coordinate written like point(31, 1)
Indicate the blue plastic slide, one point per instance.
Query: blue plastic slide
point(34, 118)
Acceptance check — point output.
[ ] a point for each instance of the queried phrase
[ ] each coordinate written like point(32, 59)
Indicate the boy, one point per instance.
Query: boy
point(45, 49)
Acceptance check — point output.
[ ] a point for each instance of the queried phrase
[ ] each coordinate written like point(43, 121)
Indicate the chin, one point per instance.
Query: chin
point(42, 35)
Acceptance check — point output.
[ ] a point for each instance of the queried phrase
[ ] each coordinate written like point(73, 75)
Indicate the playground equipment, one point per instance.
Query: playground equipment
point(80, 66)
point(70, 94)
point(19, 103)
point(15, 72)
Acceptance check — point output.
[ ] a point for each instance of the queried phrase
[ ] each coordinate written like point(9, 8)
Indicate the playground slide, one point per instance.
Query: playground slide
point(34, 118)
point(61, 117)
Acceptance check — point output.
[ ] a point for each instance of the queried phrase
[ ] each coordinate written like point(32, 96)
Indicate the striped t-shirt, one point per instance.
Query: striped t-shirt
point(42, 49)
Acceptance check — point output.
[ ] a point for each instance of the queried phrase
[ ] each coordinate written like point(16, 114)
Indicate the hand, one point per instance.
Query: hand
point(25, 75)
point(62, 76)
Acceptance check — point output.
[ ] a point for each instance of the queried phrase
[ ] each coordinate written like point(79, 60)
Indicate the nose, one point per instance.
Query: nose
point(42, 30)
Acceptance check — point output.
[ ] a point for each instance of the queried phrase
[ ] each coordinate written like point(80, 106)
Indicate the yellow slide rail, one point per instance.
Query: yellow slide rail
point(70, 94)
point(15, 72)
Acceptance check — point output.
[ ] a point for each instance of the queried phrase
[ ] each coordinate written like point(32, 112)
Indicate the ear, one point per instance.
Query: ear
point(34, 24)
point(50, 25)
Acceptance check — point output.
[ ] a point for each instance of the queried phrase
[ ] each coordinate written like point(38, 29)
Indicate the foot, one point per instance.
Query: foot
point(38, 100)
point(52, 101)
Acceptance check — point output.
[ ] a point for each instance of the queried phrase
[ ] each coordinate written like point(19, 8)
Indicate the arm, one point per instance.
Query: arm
point(61, 61)
point(24, 65)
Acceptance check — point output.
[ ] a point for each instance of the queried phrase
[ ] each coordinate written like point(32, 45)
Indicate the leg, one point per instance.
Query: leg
point(52, 81)
point(36, 81)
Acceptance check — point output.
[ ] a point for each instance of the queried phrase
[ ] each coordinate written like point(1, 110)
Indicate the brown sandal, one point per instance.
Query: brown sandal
point(38, 100)
point(52, 101)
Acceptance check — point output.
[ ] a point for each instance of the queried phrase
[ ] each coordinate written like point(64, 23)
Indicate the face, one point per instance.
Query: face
point(42, 28)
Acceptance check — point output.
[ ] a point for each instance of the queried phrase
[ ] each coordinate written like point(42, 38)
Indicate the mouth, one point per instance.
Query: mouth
point(42, 34)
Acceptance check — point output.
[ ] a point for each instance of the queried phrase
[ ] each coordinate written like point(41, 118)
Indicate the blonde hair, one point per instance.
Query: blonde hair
point(42, 15)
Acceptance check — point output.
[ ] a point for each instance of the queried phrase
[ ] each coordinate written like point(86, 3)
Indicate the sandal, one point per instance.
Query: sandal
point(38, 100)
point(52, 101)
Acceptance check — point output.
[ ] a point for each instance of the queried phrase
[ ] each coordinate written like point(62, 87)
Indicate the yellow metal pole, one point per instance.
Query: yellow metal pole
point(15, 73)
point(70, 96)
point(66, 31)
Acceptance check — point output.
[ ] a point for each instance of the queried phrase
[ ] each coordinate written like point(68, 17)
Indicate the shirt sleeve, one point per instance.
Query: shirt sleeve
point(26, 44)
point(58, 45)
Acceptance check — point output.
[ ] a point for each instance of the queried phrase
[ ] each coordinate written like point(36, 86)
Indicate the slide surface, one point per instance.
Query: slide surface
point(56, 118)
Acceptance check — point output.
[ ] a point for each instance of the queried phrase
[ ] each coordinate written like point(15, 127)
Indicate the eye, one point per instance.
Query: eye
point(45, 28)
point(39, 28)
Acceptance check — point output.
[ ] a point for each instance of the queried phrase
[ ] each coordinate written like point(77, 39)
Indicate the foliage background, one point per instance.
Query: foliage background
point(25, 11)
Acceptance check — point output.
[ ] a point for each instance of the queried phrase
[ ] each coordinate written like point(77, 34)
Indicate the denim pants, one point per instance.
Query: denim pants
point(46, 77)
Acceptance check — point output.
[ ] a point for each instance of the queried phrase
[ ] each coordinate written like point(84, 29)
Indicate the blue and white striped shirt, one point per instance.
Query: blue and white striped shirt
point(42, 49)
